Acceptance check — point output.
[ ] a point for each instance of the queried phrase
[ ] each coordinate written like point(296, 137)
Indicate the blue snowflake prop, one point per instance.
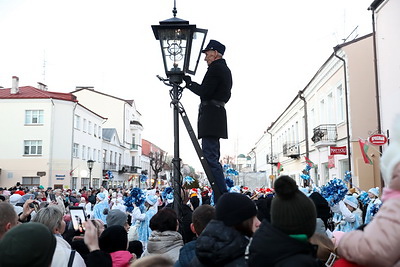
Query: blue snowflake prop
point(307, 168)
point(364, 198)
point(168, 191)
point(305, 176)
point(188, 180)
point(231, 171)
point(347, 176)
point(143, 178)
point(334, 191)
point(375, 208)
point(136, 196)
point(229, 182)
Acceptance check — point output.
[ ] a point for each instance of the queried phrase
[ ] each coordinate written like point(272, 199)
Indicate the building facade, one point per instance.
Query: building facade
point(324, 122)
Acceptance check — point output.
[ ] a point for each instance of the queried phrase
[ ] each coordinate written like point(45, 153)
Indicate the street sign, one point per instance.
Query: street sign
point(378, 139)
point(338, 150)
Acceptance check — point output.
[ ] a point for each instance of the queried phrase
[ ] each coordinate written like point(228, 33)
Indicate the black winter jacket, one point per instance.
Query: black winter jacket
point(216, 85)
point(271, 247)
point(220, 245)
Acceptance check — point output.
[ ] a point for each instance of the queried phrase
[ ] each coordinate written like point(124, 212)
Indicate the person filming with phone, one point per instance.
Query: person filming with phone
point(52, 217)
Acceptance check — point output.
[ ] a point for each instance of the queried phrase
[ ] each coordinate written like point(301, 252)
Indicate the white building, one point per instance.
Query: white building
point(42, 143)
point(122, 116)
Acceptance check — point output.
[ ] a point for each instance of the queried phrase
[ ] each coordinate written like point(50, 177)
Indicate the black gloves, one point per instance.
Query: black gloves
point(188, 80)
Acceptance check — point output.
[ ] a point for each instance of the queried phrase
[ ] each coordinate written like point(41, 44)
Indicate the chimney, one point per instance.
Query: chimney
point(42, 86)
point(14, 89)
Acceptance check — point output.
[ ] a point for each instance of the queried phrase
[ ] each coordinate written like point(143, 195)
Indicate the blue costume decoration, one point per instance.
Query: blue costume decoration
point(188, 180)
point(142, 218)
point(168, 194)
point(98, 209)
point(143, 178)
point(229, 182)
point(348, 220)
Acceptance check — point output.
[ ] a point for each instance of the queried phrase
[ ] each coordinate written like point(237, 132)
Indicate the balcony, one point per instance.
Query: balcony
point(325, 135)
point(136, 125)
point(110, 166)
point(272, 159)
point(135, 147)
point(291, 150)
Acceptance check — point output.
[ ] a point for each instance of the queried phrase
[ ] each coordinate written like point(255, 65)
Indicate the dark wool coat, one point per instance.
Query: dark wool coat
point(216, 85)
point(271, 247)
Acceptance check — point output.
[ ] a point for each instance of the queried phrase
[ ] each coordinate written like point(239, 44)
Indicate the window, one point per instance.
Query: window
point(75, 150)
point(330, 108)
point(89, 127)
point(89, 156)
point(340, 103)
point(99, 132)
point(83, 152)
point(33, 147)
point(34, 116)
point(94, 154)
point(74, 180)
point(77, 122)
point(85, 182)
point(31, 181)
point(96, 183)
point(95, 130)
point(84, 125)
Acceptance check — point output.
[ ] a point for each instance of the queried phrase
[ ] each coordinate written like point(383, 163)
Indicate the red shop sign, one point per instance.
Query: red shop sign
point(338, 150)
point(378, 139)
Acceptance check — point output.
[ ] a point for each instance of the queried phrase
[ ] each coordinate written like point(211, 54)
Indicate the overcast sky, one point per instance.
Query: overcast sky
point(272, 47)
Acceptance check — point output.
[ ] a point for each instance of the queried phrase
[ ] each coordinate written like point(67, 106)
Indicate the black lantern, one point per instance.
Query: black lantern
point(90, 167)
point(181, 45)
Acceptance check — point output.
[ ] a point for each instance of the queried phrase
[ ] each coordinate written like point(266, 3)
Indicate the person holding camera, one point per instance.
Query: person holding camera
point(214, 92)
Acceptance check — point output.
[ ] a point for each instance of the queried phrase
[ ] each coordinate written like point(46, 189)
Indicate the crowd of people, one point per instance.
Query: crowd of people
point(286, 225)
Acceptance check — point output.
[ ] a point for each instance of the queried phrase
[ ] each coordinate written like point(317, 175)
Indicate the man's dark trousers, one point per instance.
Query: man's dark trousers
point(211, 148)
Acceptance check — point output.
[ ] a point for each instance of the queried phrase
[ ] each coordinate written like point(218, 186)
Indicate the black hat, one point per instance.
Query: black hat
point(292, 211)
point(113, 238)
point(215, 45)
point(234, 208)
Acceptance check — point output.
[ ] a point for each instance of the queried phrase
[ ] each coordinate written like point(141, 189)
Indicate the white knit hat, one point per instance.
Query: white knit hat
point(391, 155)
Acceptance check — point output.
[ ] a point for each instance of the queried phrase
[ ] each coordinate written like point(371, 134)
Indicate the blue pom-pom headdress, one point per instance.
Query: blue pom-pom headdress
point(334, 191)
point(136, 196)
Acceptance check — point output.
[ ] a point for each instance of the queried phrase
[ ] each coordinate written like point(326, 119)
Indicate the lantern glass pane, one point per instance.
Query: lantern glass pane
point(174, 47)
point(197, 45)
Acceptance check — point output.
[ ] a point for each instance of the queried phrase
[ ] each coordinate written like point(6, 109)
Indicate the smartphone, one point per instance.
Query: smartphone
point(78, 218)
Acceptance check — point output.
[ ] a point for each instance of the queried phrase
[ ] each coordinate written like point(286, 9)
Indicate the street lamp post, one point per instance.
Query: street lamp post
point(181, 45)
point(90, 167)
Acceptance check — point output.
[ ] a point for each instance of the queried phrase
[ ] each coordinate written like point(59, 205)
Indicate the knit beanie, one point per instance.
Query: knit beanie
point(234, 208)
point(113, 238)
point(292, 212)
point(20, 247)
point(116, 217)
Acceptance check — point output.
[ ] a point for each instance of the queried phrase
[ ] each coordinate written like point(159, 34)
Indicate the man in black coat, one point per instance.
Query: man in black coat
point(214, 92)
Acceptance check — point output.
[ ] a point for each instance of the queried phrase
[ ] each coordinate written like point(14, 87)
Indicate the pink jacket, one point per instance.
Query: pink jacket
point(379, 243)
point(121, 258)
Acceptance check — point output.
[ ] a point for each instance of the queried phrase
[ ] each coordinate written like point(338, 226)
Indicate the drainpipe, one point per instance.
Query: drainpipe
point(272, 167)
point(305, 123)
point(378, 108)
point(51, 142)
point(347, 109)
point(72, 148)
